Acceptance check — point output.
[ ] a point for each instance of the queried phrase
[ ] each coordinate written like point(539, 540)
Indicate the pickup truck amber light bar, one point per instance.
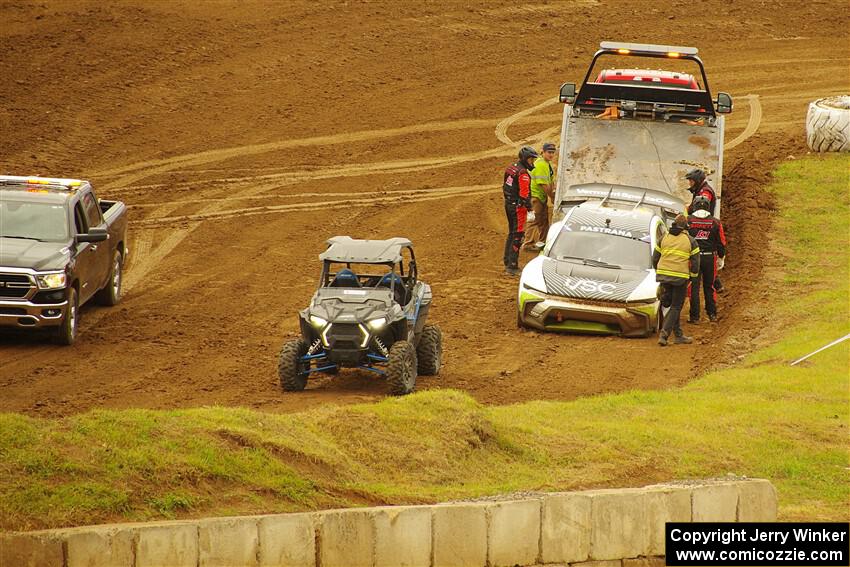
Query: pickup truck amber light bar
point(54, 182)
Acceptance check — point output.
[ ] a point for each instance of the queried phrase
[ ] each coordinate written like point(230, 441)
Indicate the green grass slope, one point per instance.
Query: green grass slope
point(762, 418)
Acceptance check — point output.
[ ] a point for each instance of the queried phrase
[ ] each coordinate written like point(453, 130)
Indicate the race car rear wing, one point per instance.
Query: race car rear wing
point(644, 101)
point(666, 203)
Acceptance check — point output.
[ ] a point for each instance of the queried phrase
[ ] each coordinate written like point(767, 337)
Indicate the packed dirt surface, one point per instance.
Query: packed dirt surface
point(243, 134)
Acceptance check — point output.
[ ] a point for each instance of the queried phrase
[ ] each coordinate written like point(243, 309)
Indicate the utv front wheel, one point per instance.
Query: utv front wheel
point(429, 351)
point(291, 367)
point(401, 368)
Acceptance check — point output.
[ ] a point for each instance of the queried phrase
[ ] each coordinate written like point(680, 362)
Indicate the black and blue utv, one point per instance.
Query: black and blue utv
point(369, 312)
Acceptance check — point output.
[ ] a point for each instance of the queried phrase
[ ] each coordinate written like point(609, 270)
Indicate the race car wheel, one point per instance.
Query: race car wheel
point(401, 368)
point(291, 369)
point(67, 332)
point(111, 293)
point(828, 124)
point(429, 351)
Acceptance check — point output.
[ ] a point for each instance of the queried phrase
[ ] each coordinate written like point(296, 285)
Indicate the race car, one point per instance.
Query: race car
point(595, 273)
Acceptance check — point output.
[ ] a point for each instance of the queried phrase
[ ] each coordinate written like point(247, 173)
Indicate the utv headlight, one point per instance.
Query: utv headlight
point(55, 280)
point(366, 335)
point(377, 324)
point(318, 322)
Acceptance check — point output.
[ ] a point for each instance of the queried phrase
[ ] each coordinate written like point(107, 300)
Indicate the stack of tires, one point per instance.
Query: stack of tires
point(828, 124)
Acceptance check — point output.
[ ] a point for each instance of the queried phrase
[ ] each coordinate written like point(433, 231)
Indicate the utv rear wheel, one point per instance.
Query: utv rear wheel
point(429, 351)
point(401, 368)
point(291, 369)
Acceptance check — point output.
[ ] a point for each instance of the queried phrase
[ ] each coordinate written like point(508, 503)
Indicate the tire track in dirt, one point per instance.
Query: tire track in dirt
point(139, 265)
point(277, 181)
point(752, 124)
point(502, 127)
point(395, 166)
point(133, 172)
point(382, 199)
point(376, 194)
point(256, 190)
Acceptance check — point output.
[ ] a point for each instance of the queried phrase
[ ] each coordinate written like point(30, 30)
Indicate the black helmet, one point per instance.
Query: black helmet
point(702, 203)
point(697, 175)
point(526, 153)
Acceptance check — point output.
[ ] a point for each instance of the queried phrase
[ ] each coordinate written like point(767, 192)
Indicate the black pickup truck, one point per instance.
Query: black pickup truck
point(59, 247)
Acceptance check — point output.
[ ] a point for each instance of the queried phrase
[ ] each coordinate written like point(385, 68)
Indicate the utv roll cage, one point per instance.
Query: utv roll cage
point(344, 251)
point(641, 100)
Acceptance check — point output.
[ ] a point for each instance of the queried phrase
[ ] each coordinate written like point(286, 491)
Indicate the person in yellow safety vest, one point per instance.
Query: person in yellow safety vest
point(676, 263)
point(542, 187)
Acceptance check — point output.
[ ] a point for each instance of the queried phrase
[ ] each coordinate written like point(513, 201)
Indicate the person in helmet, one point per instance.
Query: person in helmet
point(708, 232)
point(699, 187)
point(516, 189)
point(676, 261)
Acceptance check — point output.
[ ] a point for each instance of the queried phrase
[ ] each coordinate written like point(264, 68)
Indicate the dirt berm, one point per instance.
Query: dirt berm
point(242, 134)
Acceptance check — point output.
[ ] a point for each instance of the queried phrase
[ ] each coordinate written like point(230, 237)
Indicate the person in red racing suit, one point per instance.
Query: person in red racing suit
point(699, 187)
point(708, 232)
point(516, 189)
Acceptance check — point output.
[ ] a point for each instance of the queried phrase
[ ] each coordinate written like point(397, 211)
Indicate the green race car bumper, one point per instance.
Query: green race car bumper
point(550, 313)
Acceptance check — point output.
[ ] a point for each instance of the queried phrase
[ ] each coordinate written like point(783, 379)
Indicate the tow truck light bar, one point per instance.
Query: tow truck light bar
point(674, 51)
point(671, 54)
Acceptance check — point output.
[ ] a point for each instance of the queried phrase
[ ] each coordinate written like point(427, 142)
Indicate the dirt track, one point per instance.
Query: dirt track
point(244, 134)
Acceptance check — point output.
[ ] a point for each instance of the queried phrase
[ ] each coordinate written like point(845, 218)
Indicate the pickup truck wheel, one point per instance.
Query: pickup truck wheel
point(67, 332)
point(111, 294)
point(291, 369)
point(429, 351)
point(401, 368)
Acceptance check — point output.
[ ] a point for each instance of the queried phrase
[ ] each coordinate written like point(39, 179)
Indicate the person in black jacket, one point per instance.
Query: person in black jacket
point(708, 232)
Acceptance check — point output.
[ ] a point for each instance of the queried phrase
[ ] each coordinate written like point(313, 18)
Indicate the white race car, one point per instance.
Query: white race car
point(595, 273)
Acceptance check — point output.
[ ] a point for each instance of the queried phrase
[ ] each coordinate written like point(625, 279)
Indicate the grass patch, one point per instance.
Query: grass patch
point(762, 418)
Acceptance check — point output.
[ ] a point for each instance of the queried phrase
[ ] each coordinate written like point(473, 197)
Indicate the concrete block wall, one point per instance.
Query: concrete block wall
point(596, 528)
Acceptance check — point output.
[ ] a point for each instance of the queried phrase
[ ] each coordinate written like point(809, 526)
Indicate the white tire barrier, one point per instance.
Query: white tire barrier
point(828, 124)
